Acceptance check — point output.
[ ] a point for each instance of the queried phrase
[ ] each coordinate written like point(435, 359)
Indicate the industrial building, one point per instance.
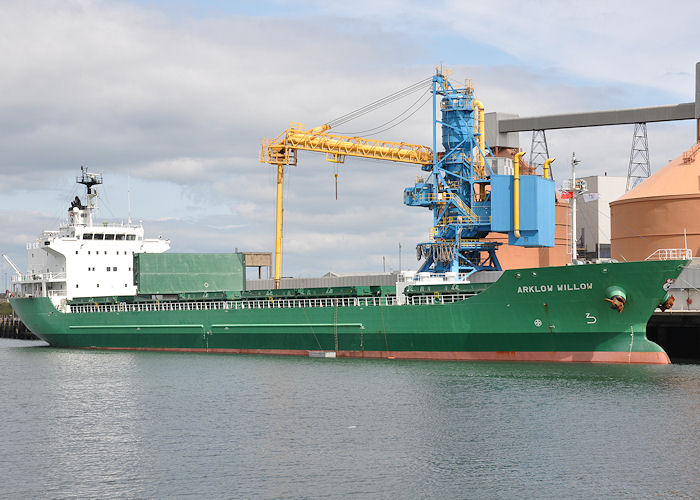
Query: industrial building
point(593, 215)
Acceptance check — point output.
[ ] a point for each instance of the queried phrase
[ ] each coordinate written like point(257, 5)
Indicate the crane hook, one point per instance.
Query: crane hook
point(336, 182)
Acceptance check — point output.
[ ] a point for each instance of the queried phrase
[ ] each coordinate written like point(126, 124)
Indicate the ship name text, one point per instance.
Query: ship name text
point(561, 287)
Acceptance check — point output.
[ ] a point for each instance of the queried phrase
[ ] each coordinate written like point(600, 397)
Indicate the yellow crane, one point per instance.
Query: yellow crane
point(282, 151)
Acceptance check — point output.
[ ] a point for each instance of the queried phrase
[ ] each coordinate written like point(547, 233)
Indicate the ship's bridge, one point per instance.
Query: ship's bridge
point(82, 259)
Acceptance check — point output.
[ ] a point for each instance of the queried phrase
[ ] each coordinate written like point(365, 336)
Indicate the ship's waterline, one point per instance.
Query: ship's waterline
point(651, 358)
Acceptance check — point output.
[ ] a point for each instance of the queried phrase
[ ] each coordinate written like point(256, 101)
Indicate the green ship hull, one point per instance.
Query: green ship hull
point(545, 314)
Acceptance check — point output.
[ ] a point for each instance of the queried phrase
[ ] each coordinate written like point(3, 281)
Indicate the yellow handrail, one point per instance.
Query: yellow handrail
point(516, 194)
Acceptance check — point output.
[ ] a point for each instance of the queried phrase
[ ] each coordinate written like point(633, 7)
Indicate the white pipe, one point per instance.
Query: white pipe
point(573, 208)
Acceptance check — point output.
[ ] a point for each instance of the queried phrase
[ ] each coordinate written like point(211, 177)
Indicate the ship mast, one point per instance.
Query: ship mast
point(89, 180)
point(576, 187)
point(574, 162)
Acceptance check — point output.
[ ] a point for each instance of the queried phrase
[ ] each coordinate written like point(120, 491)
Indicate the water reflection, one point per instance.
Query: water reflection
point(91, 423)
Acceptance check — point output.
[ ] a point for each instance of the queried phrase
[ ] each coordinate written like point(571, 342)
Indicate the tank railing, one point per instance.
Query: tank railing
point(267, 303)
point(671, 254)
point(689, 155)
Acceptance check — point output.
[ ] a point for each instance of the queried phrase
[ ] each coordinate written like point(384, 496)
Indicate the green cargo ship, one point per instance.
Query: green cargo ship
point(107, 287)
point(546, 314)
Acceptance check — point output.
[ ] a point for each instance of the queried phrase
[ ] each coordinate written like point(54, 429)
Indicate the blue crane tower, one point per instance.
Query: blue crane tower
point(467, 199)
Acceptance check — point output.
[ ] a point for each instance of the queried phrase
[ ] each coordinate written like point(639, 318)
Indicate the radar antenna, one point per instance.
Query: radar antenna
point(89, 180)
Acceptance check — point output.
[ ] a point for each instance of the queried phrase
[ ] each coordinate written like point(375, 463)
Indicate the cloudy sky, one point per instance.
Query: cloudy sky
point(169, 99)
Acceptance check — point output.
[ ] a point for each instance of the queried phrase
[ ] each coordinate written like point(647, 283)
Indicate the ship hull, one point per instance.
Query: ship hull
point(549, 314)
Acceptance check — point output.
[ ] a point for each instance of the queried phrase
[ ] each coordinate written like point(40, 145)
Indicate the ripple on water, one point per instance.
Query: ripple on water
point(130, 424)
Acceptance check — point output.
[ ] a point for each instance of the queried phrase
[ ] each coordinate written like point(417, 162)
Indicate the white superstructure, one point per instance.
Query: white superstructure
point(83, 259)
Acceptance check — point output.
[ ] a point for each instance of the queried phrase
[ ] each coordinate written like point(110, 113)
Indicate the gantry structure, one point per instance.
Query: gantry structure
point(456, 185)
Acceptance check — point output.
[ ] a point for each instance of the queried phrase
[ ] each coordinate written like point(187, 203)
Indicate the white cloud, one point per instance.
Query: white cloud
point(638, 42)
point(181, 103)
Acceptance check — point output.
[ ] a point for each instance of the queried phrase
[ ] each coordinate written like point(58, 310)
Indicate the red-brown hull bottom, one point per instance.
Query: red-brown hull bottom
point(659, 358)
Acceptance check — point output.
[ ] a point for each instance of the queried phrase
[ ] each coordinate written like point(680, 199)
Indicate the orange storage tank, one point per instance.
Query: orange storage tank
point(663, 212)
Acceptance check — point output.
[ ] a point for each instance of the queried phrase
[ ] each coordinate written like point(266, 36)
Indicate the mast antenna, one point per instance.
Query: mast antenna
point(128, 195)
point(89, 180)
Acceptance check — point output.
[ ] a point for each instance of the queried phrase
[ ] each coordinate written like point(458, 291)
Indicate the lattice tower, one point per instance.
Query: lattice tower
point(639, 157)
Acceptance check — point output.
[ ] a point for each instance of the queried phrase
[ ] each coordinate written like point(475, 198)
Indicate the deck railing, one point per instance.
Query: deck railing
point(671, 254)
point(40, 277)
point(267, 303)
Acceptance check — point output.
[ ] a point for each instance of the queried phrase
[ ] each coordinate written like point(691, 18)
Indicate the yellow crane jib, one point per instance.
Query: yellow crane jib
point(283, 149)
point(336, 147)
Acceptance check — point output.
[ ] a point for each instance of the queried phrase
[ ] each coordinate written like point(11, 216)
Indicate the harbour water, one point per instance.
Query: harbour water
point(91, 424)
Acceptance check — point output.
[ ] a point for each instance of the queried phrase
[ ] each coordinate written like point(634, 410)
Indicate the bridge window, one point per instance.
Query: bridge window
point(99, 236)
point(87, 236)
point(131, 237)
point(120, 236)
point(109, 236)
